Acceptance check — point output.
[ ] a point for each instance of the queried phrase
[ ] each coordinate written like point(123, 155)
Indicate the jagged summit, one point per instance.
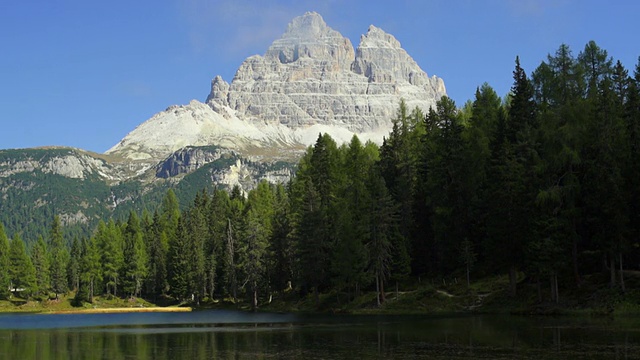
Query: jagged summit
point(308, 36)
point(310, 80)
point(378, 38)
point(311, 25)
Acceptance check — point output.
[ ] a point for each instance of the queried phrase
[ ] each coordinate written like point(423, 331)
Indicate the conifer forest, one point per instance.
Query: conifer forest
point(541, 186)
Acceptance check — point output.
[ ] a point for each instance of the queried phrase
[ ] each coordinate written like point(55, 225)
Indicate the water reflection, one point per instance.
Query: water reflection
point(232, 335)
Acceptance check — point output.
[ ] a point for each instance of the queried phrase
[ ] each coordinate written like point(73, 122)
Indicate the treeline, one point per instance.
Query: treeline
point(544, 183)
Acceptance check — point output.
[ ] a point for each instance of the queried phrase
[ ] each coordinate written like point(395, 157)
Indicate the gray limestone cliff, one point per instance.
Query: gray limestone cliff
point(312, 75)
point(309, 81)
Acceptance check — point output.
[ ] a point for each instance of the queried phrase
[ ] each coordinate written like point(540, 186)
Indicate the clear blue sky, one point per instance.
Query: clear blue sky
point(85, 73)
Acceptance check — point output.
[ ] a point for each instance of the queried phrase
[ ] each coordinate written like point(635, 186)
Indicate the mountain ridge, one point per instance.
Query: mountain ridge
point(309, 81)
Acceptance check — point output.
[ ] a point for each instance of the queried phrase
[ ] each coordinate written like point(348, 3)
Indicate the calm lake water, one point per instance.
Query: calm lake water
point(237, 335)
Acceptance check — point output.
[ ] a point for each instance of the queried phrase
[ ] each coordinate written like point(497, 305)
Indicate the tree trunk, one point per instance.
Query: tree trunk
point(317, 295)
point(621, 273)
point(574, 260)
point(468, 277)
point(382, 296)
point(254, 303)
point(512, 281)
point(612, 270)
point(539, 288)
point(397, 290)
point(554, 285)
point(377, 291)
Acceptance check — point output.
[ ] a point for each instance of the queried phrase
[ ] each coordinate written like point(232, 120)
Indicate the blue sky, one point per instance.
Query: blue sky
point(85, 73)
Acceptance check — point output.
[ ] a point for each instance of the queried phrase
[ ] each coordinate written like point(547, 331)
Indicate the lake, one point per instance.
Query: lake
point(218, 334)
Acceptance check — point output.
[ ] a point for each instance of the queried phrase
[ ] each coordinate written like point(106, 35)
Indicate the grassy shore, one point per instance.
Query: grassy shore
point(433, 296)
point(123, 310)
point(100, 305)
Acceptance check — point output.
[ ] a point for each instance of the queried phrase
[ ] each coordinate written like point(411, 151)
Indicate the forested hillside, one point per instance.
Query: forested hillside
point(544, 183)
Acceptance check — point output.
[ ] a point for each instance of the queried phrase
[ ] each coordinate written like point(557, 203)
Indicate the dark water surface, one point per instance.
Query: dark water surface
point(237, 335)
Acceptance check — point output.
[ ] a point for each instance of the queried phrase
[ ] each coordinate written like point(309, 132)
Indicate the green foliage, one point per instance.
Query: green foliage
point(135, 257)
point(110, 243)
point(59, 258)
point(21, 270)
point(40, 260)
point(5, 279)
point(543, 185)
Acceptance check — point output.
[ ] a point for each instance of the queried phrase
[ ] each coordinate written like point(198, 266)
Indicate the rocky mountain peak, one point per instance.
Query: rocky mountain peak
point(309, 37)
point(310, 80)
point(378, 38)
point(381, 58)
point(310, 26)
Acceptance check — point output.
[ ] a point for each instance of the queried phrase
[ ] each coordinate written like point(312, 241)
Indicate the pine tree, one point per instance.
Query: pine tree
point(21, 270)
point(448, 184)
point(349, 259)
point(91, 266)
point(562, 142)
point(399, 167)
point(5, 279)
point(198, 236)
point(218, 220)
point(511, 221)
point(179, 264)
point(135, 256)
point(73, 267)
point(40, 260)
point(59, 257)
point(280, 249)
point(157, 245)
point(109, 239)
point(257, 233)
point(380, 230)
point(632, 166)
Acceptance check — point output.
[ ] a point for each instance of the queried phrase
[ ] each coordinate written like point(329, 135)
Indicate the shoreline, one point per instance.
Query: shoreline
point(120, 310)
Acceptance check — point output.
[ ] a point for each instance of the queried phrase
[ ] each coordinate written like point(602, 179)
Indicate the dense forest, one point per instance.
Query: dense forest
point(544, 183)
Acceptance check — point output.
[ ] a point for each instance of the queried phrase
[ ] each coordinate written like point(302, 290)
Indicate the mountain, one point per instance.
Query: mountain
point(309, 81)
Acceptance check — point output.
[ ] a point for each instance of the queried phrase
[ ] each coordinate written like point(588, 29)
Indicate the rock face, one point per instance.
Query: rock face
point(187, 160)
point(309, 81)
point(67, 162)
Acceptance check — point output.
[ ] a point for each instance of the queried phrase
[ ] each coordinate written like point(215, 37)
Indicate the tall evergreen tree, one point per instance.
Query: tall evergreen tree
point(59, 257)
point(179, 264)
point(198, 234)
point(562, 139)
point(21, 270)
point(280, 248)
point(157, 245)
point(380, 230)
point(109, 238)
point(5, 279)
point(258, 230)
point(349, 259)
point(448, 184)
point(511, 222)
point(91, 268)
point(73, 267)
point(135, 256)
point(40, 261)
